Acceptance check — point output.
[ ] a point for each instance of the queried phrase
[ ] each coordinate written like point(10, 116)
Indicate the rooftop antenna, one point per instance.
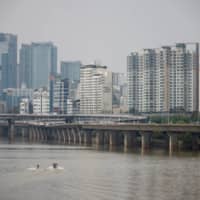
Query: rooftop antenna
point(97, 62)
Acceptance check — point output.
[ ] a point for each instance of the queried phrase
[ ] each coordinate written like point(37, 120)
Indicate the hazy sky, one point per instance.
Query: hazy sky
point(102, 30)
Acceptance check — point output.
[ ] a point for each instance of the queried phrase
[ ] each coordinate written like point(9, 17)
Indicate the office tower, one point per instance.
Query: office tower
point(71, 70)
point(18, 76)
point(8, 60)
point(38, 63)
point(164, 79)
point(25, 66)
point(60, 95)
point(44, 63)
point(95, 89)
point(119, 88)
point(41, 100)
point(118, 79)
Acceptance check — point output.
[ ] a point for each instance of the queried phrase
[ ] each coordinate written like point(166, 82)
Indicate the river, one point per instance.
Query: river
point(91, 174)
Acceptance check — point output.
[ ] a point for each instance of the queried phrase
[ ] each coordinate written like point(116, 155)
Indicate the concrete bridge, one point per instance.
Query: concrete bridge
point(130, 136)
point(13, 120)
point(74, 117)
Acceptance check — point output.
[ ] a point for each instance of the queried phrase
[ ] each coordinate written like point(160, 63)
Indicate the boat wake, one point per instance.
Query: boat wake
point(57, 168)
point(50, 168)
point(32, 169)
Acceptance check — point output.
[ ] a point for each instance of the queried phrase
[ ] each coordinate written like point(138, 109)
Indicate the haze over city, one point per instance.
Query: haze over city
point(102, 30)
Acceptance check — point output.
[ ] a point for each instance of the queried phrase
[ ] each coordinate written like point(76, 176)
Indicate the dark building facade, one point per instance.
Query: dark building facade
point(38, 63)
point(59, 95)
point(70, 70)
point(8, 61)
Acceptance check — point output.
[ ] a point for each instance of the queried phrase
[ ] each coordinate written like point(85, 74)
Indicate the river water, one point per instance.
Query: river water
point(91, 174)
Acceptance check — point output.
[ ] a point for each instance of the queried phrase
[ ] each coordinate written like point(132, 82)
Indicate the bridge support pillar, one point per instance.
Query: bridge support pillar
point(87, 138)
point(11, 130)
point(114, 139)
point(30, 134)
point(1, 131)
point(23, 130)
point(145, 141)
point(130, 140)
point(41, 133)
point(81, 137)
point(37, 134)
point(75, 136)
point(46, 134)
point(173, 142)
point(63, 136)
point(78, 135)
point(106, 138)
point(41, 130)
point(195, 144)
point(58, 135)
point(68, 136)
point(99, 138)
point(34, 134)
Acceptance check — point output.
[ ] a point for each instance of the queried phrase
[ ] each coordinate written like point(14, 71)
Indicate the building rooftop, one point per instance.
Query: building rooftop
point(93, 66)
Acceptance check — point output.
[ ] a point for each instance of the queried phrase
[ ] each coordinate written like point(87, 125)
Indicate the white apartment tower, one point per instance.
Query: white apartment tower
point(41, 101)
point(164, 79)
point(24, 106)
point(95, 89)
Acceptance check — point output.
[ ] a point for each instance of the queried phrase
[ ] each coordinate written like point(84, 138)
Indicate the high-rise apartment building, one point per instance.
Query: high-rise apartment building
point(164, 79)
point(60, 95)
point(95, 89)
point(8, 61)
point(70, 70)
point(38, 62)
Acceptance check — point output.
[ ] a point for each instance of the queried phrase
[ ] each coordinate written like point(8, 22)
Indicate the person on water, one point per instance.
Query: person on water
point(55, 165)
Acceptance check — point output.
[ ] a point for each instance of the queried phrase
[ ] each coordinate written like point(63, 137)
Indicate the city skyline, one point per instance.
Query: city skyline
point(105, 31)
point(99, 99)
